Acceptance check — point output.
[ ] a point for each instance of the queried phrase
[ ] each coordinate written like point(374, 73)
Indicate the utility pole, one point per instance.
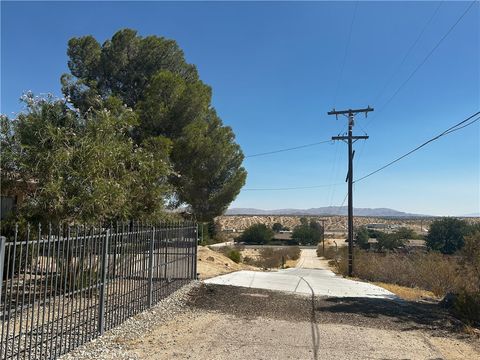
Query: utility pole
point(350, 114)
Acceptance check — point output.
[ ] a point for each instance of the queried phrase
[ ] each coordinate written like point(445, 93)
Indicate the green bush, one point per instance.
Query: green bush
point(234, 255)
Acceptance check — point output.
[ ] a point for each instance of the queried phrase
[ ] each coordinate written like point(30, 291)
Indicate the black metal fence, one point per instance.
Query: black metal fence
point(65, 286)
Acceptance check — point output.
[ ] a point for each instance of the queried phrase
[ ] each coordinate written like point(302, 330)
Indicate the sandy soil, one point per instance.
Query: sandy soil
point(212, 263)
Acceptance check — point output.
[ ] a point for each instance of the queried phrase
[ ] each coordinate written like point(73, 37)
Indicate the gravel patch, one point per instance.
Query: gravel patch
point(114, 344)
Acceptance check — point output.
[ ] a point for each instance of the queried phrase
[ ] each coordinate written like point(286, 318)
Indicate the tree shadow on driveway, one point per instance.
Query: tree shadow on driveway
point(389, 314)
point(250, 303)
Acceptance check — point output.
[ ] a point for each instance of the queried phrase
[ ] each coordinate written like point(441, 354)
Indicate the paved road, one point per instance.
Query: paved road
point(309, 277)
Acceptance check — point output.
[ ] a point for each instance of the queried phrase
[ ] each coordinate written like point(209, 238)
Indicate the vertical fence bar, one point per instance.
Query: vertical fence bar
point(150, 268)
point(101, 309)
point(167, 235)
point(3, 241)
point(195, 248)
point(3, 342)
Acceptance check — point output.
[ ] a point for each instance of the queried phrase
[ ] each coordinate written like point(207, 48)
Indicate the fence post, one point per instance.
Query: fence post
point(103, 285)
point(3, 240)
point(150, 268)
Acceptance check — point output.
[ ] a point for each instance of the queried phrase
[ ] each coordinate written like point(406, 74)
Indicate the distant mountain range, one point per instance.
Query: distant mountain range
point(472, 215)
point(323, 211)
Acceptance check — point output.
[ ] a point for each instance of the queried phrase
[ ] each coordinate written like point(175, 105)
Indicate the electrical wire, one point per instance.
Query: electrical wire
point(337, 88)
point(407, 54)
point(292, 188)
point(289, 149)
point(462, 124)
point(339, 208)
point(422, 62)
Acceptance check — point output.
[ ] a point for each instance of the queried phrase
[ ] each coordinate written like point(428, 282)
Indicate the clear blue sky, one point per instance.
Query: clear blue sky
point(275, 69)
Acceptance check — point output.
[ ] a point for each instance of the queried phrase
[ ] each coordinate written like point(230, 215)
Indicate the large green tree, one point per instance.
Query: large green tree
point(84, 167)
point(308, 234)
point(256, 234)
point(122, 66)
point(171, 103)
point(207, 163)
point(150, 75)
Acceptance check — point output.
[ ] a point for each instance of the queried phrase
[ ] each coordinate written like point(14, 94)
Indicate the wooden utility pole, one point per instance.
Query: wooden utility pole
point(350, 114)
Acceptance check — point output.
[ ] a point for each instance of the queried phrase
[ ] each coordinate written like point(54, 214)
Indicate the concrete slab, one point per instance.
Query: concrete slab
point(303, 281)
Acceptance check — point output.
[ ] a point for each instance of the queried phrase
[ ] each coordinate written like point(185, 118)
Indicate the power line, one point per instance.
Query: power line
point(289, 149)
point(424, 60)
point(341, 205)
point(345, 54)
point(462, 124)
point(292, 188)
point(407, 54)
point(333, 177)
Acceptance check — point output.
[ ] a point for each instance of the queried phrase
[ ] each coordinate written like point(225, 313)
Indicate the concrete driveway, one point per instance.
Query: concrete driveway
point(310, 277)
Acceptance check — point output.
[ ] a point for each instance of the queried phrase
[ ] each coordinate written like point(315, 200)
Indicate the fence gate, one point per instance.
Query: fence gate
point(61, 287)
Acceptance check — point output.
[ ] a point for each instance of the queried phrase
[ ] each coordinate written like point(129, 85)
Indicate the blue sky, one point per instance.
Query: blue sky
point(276, 69)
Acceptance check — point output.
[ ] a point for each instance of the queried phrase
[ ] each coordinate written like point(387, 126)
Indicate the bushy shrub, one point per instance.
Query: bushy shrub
point(467, 307)
point(440, 273)
point(249, 260)
point(276, 257)
point(329, 253)
point(234, 255)
point(432, 271)
point(291, 252)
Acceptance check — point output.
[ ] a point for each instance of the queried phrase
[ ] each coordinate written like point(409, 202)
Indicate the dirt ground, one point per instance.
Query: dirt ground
point(237, 323)
point(212, 263)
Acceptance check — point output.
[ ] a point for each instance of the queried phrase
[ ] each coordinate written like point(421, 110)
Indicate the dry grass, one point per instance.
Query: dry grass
point(212, 263)
point(433, 272)
point(406, 293)
point(291, 263)
point(269, 257)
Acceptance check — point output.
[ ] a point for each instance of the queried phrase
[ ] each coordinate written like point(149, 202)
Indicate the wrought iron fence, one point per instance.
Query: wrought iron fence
point(64, 286)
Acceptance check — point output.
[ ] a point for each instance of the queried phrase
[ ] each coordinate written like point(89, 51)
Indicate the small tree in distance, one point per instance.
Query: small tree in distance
point(256, 234)
point(362, 238)
point(308, 234)
point(447, 235)
point(277, 227)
